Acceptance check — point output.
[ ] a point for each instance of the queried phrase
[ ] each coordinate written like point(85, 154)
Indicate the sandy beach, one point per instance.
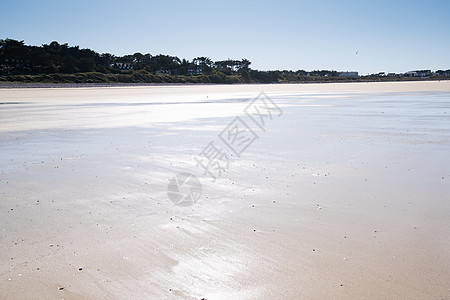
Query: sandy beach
point(343, 193)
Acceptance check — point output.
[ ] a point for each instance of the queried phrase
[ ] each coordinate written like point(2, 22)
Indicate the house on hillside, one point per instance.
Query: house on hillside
point(122, 66)
point(196, 70)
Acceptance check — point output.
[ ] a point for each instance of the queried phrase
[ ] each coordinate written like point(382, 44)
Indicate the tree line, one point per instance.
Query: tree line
point(18, 58)
point(57, 62)
point(55, 59)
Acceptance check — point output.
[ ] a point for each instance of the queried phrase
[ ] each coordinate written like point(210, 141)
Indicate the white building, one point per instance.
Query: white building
point(418, 73)
point(122, 66)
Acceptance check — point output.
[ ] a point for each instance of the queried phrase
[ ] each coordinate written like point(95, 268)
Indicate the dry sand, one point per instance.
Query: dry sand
point(346, 195)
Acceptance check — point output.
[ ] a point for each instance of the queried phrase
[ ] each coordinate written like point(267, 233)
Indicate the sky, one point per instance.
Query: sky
point(346, 35)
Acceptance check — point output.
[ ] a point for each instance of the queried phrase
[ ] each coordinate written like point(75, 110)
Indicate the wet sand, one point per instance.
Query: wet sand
point(345, 195)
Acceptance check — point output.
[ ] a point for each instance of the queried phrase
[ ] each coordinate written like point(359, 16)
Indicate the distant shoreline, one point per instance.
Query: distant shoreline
point(36, 85)
point(60, 65)
point(27, 85)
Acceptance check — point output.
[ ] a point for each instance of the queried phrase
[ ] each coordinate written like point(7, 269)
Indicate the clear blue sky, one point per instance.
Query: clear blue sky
point(390, 35)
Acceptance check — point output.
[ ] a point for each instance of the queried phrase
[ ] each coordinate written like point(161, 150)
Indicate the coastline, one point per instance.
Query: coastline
point(46, 85)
